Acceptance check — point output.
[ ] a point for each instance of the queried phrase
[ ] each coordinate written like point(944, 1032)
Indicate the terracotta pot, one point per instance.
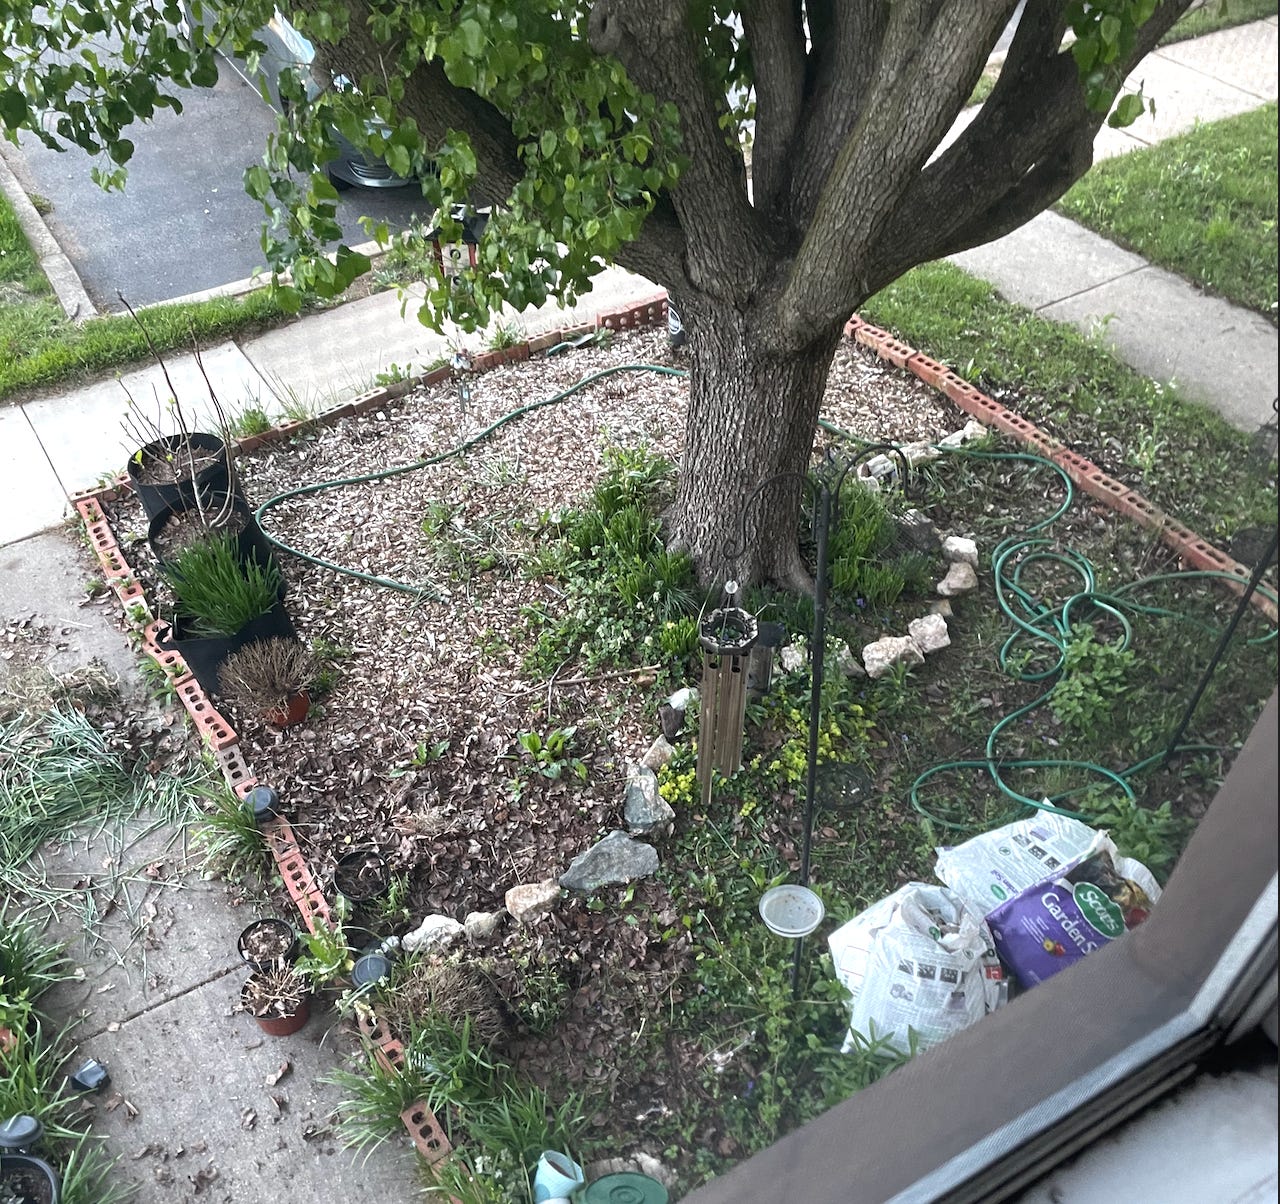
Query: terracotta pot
point(293, 712)
point(284, 1026)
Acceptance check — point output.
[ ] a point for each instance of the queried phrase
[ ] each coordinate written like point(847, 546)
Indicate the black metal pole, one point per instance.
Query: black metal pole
point(1223, 641)
point(817, 658)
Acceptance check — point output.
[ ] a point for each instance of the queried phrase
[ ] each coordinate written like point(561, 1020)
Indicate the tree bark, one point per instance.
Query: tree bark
point(752, 416)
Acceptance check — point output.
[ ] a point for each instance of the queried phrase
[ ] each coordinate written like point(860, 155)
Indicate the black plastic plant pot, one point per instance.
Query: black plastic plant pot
point(370, 968)
point(29, 1179)
point(361, 876)
point(160, 472)
point(250, 543)
point(267, 942)
point(205, 654)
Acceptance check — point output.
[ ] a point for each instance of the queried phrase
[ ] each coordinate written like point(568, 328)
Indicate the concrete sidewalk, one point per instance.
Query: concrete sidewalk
point(1213, 351)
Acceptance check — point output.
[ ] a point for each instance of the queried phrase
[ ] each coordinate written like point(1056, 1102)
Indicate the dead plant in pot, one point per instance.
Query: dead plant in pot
point(271, 678)
point(278, 997)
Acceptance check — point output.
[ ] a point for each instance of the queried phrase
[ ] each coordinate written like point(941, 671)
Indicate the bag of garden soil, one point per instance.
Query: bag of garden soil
point(1052, 890)
point(1057, 922)
point(918, 961)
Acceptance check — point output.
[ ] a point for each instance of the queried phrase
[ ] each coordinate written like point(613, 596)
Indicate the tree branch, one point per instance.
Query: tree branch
point(1032, 140)
point(931, 55)
point(726, 244)
point(775, 34)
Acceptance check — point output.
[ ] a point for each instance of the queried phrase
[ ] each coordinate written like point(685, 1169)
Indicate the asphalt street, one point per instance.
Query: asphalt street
point(183, 222)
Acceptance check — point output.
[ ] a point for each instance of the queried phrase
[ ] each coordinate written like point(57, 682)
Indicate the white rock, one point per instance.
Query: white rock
point(846, 662)
point(956, 547)
point(660, 752)
point(878, 658)
point(680, 700)
point(529, 902)
point(960, 579)
point(972, 430)
point(941, 607)
point(480, 925)
point(930, 633)
point(793, 658)
point(434, 932)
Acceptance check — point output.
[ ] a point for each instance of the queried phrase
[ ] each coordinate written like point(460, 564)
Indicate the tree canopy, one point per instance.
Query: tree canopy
point(773, 163)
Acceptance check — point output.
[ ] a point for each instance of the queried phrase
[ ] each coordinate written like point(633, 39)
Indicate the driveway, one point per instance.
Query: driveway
point(183, 222)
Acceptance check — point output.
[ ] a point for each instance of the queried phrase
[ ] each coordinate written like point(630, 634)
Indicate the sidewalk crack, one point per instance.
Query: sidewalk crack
point(44, 451)
point(159, 1003)
point(1142, 267)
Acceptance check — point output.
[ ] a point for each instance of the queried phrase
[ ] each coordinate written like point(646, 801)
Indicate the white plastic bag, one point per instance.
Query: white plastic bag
point(918, 961)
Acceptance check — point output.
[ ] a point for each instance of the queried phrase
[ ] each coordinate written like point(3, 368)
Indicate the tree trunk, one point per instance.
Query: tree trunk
point(752, 416)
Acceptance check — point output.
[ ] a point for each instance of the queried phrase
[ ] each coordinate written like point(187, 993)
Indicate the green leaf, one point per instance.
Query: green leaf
point(1110, 30)
point(1127, 111)
point(13, 108)
point(257, 182)
point(205, 73)
point(472, 36)
point(548, 143)
point(121, 150)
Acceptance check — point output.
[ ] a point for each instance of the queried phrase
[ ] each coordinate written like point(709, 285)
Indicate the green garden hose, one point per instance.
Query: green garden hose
point(425, 591)
point(1034, 622)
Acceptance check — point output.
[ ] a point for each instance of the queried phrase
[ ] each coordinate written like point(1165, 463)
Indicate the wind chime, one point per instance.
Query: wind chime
point(727, 636)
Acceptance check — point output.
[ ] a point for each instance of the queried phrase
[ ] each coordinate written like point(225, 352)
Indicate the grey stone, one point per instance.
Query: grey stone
point(960, 579)
point(918, 530)
point(435, 932)
point(941, 607)
point(615, 860)
point(644, 809)
point(793, 658)
point(480, 925)
point(957, 547)
point(660, 752)
point(680, 700)
point(880, 656)
point(930, 633)
point(530, 901)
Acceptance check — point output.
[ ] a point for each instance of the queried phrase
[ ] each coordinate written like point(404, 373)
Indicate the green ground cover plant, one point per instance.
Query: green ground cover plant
point(1202, 204)
point(1218, 14)
point(1183, 456)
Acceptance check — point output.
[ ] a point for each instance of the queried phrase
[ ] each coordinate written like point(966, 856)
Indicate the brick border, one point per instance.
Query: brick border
point(1195, 551)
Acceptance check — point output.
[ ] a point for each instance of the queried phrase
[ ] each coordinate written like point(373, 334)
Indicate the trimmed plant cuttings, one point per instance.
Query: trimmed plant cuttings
point(455, 990)
point(217, 593)
point(267, 675)
point(278, 990)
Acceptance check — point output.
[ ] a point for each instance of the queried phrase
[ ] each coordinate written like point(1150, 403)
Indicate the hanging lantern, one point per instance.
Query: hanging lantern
point(727, 636)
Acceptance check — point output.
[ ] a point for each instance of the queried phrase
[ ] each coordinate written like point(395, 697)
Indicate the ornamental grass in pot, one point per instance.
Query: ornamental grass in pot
point(222, 605)
point(270, 678)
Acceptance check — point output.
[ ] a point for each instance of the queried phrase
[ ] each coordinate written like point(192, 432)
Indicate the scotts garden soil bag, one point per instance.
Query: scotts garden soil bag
point(1052, 890)
point(918, 961)
point(1075, 913)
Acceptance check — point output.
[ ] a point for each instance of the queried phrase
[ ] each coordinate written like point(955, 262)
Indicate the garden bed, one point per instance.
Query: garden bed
point(664, 1002)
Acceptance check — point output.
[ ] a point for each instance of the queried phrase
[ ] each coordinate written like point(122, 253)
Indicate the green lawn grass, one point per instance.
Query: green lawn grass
point(39, 346)
point(1183, 456)
point(1202, 205)
point(1219, 14)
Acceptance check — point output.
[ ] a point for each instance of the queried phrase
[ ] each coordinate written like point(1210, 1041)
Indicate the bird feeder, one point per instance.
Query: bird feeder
point(452, 257)
point(727, 636)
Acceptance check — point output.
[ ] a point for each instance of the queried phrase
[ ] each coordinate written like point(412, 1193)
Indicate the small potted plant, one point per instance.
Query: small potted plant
point(278, 997)
point(266, 942)
point(270, 678)
point(221, 606)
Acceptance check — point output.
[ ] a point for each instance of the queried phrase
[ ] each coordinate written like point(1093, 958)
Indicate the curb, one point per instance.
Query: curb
point(1195, 551)
point(58, 270)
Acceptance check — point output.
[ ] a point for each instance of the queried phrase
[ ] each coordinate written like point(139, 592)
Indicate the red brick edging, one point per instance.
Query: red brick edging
point(1195, 551)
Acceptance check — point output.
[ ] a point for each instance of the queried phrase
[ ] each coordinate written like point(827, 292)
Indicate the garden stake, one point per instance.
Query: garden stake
point(1254, 581)
point(824, 485)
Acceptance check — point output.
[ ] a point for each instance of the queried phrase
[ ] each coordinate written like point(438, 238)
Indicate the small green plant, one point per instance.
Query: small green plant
point(230, 841)
point(252, 420)
point(550, 753)
point(1152, 835)
point(393, 374)
point(374, 1096)
point(508, 334)
point(1094, 675)
point(216, 592)
point(392, 908)
point(326, 955)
